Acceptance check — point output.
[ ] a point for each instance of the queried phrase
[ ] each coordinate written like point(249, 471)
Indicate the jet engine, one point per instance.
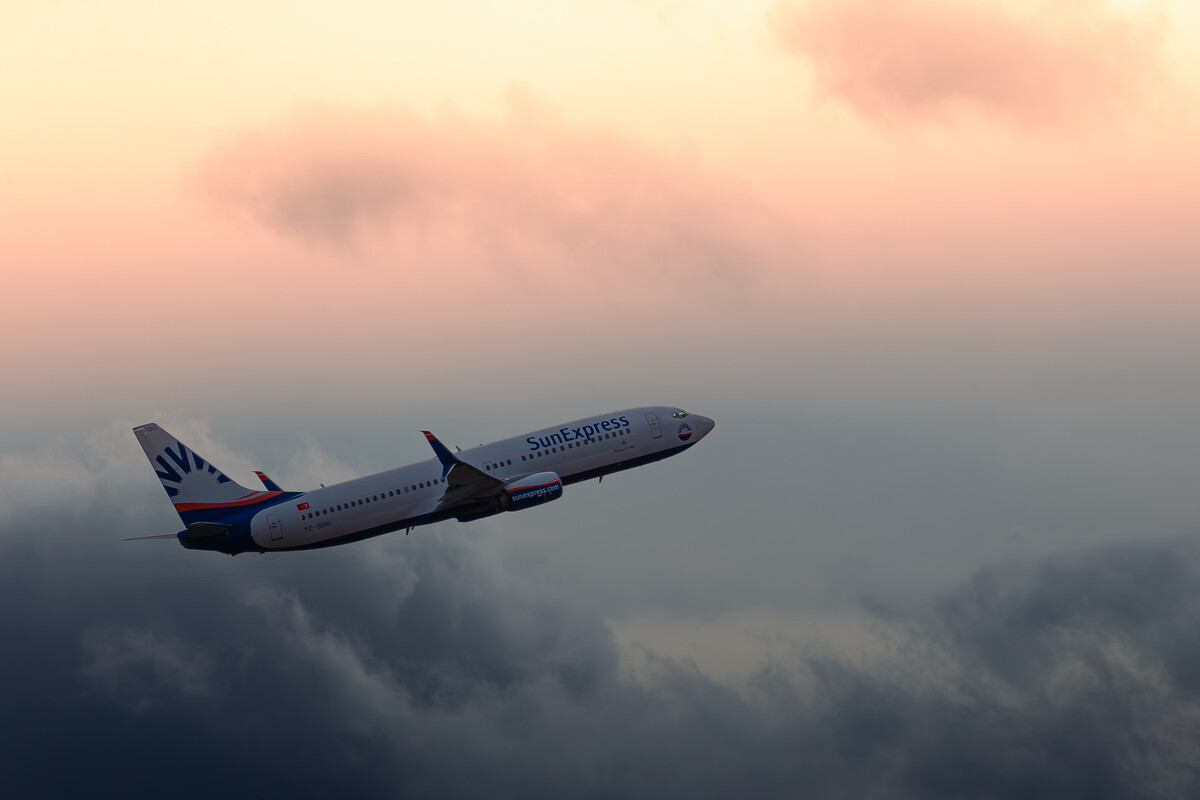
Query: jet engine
point(530, 491)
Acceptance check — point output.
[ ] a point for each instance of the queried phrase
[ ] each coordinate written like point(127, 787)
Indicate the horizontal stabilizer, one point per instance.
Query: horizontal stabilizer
point(155, 536)
point(201, 530)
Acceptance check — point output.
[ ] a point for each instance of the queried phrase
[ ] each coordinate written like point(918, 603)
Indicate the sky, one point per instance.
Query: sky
point(930, 266)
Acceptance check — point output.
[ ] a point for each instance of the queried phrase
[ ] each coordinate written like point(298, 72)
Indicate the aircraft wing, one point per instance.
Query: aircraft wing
point(464, 482)
point(271, 485)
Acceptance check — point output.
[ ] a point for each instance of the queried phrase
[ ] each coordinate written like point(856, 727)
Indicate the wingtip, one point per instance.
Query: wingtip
point(428, 435)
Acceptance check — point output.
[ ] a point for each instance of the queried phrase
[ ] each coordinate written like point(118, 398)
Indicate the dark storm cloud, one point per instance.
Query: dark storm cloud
point(1030, 62)
point(421, 665)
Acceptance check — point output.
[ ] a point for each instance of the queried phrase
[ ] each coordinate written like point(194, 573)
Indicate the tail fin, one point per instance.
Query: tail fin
point(199, 491)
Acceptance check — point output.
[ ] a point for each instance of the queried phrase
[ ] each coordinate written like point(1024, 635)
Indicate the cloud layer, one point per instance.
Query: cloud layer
point(1023, 62)
point(527, 196)
point(424, 665)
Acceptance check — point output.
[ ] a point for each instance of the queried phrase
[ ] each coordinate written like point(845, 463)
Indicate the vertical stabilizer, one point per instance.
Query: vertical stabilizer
point(199, 491)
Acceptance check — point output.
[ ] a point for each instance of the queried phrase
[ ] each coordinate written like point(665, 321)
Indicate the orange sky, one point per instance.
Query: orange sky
point(195, 186)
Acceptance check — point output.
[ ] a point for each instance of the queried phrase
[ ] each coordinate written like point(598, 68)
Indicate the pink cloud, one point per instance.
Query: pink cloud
point(528, 192)
point(1026, 62)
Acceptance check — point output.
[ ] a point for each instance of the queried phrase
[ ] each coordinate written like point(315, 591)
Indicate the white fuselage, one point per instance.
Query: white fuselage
point(410, 496)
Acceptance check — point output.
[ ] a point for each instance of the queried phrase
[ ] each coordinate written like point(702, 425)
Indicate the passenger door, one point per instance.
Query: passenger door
point(655, 428)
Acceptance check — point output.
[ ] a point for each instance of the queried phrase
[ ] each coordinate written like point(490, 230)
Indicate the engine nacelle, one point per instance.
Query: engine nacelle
point(532, 491)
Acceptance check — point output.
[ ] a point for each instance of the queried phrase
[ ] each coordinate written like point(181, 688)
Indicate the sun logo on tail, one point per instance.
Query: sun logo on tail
point(185, 461)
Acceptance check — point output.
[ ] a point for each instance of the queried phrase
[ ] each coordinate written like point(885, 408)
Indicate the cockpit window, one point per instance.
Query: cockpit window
point(679, 414)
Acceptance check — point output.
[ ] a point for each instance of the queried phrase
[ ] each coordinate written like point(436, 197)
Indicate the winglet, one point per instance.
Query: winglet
point(447, 458)
point(267, 482)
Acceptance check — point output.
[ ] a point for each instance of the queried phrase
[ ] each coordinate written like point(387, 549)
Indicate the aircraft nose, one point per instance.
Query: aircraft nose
point(704, 424)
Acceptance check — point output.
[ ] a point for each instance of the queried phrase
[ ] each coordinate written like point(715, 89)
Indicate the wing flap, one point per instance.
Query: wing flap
point(465, 482)
point(463, 475)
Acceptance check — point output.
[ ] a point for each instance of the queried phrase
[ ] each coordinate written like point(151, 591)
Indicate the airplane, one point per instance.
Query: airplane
point(512, 474)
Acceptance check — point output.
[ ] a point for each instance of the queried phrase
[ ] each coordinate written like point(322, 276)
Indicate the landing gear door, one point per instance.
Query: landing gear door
point(274, 527)
point(655, 428)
